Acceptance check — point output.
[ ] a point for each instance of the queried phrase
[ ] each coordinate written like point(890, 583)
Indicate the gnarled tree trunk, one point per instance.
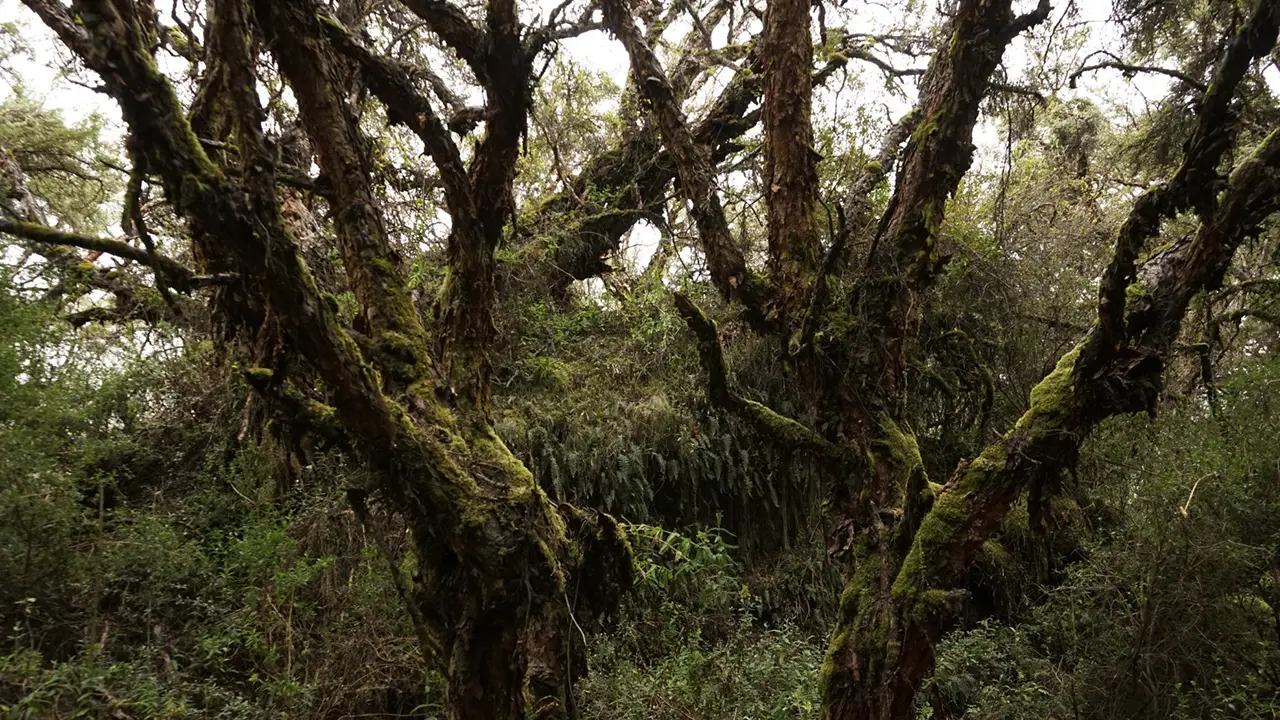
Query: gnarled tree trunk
point(908, 540)
point(494, 555)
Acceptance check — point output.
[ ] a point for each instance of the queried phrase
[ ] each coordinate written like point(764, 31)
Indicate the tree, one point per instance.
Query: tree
point(406, 389)
point(911, 539)
point(496, 559)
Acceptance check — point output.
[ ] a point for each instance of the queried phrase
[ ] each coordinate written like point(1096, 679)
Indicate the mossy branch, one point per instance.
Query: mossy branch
point(173, 271)
point(1069, 402)
point(789, 432)
point(294, 408)
point(1196, 183)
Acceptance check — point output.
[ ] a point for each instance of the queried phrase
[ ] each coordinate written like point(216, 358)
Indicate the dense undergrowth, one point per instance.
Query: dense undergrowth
point(159, 559)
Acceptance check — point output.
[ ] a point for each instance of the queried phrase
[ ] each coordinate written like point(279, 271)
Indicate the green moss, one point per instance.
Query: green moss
point(931, 490)
point(549, 372)
point(995, 554)
point(552, 561)
point(785, 427)
point(322, 412)
point(326, 20)
point(1134, 292)
point(924, 129)
point(897, 450)
point(260, 374)
point(931, 602)
point(915, 586)
point(864, 624)
point(399, 345)
point(1051, 397)
point(488, 448)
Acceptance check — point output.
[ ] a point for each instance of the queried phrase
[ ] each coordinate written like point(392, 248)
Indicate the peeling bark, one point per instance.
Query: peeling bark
point(791, 173)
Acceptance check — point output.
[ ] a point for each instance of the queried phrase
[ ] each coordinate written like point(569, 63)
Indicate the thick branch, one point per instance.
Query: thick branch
point(791, 174)
point(904, 261)
point(791, 433)
point(452, 25)
point(697, 182)
point(508, 94)
point(1026, 21)
point(307, 61)
point(1252, 195)
point(1196, 183)
point(632, 180)
point(56, 17)
point(1067, 405)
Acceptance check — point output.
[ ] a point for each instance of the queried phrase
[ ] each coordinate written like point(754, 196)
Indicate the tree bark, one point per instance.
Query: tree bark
point(494, 555)
point(791, 172)
point(905, 585)
point(911, 539)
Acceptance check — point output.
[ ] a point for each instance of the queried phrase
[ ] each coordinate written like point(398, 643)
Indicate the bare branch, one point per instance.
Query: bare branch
point(1131, 70)
point(173, 271)
point(884, 65)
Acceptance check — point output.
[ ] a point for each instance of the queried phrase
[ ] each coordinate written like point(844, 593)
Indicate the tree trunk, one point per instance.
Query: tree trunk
point(791, 171)
point(494, 555)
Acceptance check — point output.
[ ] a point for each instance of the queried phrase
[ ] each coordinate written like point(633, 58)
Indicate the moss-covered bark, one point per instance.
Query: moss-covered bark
point(895, 608)
point(494, 554)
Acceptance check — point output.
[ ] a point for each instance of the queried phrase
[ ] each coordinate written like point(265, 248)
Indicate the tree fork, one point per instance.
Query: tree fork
point(471, 505)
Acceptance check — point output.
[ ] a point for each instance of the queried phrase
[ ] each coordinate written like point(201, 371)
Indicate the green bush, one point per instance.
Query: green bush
point(688, 644)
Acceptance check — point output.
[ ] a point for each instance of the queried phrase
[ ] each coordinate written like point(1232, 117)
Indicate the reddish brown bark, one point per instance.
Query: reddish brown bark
point(909, 543)
point(791, 173)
